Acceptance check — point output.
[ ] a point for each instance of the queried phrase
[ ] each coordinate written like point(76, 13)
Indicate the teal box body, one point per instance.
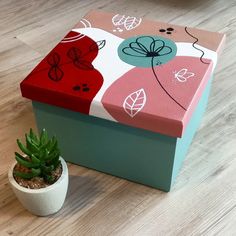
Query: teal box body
point(125, 95)
point(135, 154)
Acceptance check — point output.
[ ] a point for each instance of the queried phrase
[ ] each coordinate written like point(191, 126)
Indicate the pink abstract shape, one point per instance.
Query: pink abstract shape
point(160, 113)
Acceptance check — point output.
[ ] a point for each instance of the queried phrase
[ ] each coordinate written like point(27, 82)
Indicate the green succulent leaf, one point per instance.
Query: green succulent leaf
point(43, 137)
point(56, 163)
point(35, 159)
point(45, 146)
point(24, 162)
point(23, 148)
point(49, 178)
point(47, 169)
point(31, 145)
point(52, 144)
point(43, 155)
point(53, 156)
point(33, 136)
point(36, 171)
point(22, 157)
point(32, 174)
point(24, 175)
point(55, 143)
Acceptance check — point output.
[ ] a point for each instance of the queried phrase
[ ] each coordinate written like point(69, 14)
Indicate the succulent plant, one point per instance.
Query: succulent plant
point(41, 156)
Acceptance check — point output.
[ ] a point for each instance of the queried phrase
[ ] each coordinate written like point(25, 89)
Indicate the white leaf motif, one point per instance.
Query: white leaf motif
point(132, 22)
point(183, 75)
point(118, 19)
point(134, 102)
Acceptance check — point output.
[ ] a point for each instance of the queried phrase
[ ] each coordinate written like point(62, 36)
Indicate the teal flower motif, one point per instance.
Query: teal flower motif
point(147, 51)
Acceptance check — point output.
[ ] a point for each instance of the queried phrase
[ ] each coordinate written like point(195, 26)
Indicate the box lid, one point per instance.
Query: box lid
point(126, 69)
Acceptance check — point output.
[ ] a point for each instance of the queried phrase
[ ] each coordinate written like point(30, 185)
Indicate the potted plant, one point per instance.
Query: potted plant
point(39, 178)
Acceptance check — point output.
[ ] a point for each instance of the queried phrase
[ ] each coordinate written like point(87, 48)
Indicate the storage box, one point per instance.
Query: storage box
point(125, 95)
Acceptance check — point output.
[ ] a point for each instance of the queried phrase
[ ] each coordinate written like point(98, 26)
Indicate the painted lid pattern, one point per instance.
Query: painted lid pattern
point(141, 73)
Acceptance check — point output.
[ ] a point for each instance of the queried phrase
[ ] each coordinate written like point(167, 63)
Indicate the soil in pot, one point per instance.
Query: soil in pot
point(36, 182)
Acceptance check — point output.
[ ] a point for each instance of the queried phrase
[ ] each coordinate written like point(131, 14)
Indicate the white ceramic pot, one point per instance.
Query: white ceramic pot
point(43, 201)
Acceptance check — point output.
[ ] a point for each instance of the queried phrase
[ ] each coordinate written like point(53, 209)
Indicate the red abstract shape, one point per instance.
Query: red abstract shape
point(66, 76)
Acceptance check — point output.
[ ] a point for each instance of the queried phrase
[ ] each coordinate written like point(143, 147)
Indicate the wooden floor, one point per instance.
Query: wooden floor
point(203, 200)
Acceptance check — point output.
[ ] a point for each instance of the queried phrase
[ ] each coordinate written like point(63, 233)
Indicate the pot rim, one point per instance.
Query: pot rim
point(40, 190)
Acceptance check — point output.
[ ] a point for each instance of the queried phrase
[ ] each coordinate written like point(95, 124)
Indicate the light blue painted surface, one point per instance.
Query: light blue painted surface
point(120, 150)
point(135, 154)
point(184, 142)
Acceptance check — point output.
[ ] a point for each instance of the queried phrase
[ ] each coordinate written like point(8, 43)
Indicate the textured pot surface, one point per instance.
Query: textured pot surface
point(44, 201)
